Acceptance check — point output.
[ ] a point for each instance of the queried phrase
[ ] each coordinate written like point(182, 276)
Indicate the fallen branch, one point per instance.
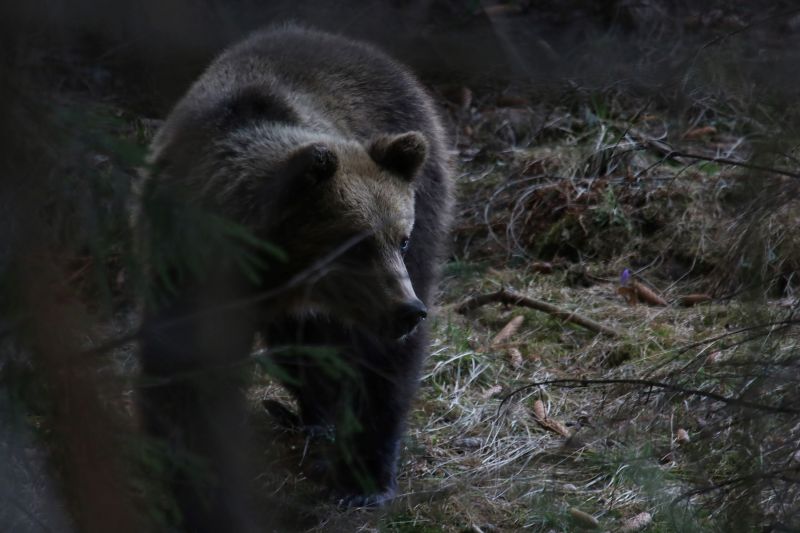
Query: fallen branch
point(513, 298)
point(652, 385)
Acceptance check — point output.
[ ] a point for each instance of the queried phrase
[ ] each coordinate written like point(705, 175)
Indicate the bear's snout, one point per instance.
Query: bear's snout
point(408, 315)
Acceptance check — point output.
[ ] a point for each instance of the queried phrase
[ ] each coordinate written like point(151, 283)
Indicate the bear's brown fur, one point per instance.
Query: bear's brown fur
point(332, 152)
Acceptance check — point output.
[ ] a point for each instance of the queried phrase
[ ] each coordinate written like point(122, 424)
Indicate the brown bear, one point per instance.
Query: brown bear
point(299, 190)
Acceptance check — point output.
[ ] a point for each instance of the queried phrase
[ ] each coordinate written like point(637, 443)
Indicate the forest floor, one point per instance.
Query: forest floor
point(527, 420)
point(641, 371)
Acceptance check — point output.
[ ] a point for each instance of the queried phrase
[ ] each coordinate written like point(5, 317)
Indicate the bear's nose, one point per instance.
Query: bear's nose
point(408, 315)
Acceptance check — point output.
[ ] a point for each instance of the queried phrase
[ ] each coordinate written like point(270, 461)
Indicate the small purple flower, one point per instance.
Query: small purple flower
point(625, 277)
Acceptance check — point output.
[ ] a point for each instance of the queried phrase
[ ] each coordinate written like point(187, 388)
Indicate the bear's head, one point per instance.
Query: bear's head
point(340, 209)
point(348, 227)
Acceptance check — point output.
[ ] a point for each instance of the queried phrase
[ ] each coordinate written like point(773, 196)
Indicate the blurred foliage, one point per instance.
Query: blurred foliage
point(563, 146)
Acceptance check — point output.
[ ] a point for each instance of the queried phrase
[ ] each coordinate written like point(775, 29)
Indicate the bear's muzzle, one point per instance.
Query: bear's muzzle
point(408, 315)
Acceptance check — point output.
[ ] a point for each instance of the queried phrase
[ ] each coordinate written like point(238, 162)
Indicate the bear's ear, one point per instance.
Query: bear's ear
point(314, 162)
point(403, 154)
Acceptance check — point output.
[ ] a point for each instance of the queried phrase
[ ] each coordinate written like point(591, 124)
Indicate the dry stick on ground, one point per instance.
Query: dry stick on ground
point(513, 298)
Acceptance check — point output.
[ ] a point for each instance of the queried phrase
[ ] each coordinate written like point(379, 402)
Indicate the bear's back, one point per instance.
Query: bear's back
point(328, 80)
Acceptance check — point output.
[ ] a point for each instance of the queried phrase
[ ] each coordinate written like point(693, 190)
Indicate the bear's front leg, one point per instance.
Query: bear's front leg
point(192, 405)
point(369, 434)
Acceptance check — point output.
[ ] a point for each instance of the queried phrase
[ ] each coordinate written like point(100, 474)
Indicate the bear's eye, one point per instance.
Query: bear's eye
point(404, 245)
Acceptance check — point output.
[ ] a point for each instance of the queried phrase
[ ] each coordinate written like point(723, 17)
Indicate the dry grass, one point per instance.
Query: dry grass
point(477, 458)
point(590, 192)
point(595, 195)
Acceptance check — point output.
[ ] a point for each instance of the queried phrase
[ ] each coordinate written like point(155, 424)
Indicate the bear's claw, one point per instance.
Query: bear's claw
point(367, 500)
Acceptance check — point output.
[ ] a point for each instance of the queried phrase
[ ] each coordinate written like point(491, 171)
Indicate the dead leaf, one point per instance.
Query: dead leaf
point(629, 294)
point(700, 132)
point(508, 330)
point(693, 299)
point(538, 410)
point(534, 357)
point(468, 443)
point(536, 166)
point(543, 267)
point(583, 519)
point(713, 357)
point(647, 294)
point(509, 100)
point(636, 523)
point(556, 427)
point(492, 391)
point(548, 423)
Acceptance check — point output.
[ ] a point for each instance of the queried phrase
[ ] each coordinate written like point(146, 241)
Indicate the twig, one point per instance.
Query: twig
point(737, 480)
point(651, 384)
point(513, 298)
point(734, 162)
point(670, 153)
point(295, 281)
point(779, 323)
point(707, 342)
